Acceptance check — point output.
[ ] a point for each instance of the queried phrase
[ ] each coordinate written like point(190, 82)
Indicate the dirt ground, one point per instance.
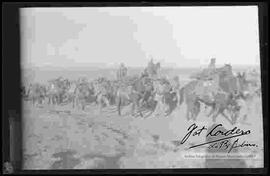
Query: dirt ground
point(60, 137)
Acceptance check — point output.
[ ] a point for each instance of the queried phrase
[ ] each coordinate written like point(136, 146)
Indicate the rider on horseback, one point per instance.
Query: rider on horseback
point(144, 73)
point(175, 87)
point(122, 72)
point(212, 64)
point(208, 72)
point(153, 69)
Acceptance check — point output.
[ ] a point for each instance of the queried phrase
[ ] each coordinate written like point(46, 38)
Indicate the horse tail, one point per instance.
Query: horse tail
point(181, 95)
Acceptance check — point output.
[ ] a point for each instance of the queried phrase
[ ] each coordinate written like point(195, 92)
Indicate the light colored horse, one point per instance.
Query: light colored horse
point(71, 93)
point(102, 92)
point(159, 89)
point(53, 93)
point(123, 97)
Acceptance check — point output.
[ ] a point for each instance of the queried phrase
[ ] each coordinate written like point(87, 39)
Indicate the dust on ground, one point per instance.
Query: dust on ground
point(60, 137)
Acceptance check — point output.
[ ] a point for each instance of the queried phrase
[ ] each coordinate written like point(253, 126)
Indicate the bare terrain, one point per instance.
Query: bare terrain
point(60, 137)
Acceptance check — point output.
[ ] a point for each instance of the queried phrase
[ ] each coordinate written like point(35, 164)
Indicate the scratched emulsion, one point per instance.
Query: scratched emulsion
point(67, 160)
point(87, 141)
point(119, 87)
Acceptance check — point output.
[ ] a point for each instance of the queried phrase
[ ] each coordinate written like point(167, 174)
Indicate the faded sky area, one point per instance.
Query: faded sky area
point(107, 36)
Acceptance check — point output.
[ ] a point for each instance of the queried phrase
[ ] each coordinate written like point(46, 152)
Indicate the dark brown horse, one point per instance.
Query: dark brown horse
point(135, 91)
point(37, 93)
point(187, 94)
point(210, 94)
point(57, 90)
point(223, 101)
point(83, 95)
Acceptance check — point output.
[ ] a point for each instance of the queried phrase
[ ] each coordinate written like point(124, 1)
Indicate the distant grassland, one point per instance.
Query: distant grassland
point(42, 75)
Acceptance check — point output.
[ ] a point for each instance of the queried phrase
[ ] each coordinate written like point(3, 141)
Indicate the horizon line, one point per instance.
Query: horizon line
point(110, 67)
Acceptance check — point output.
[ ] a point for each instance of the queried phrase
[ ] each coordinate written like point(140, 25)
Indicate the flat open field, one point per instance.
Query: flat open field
point(60, 137)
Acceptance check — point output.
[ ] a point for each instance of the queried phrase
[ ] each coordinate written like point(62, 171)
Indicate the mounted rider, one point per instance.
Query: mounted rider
point(122, 72)
point(210, 70)
point(175, 87)
point(101, 92)
point(161, 86)
point(153, 69)
point(82, 80)
point(151, 66)
point(212, 64)
point(208, 79)
point(144, 73)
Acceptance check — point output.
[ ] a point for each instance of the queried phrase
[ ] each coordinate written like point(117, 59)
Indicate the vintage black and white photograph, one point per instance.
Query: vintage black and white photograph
point(141, 87)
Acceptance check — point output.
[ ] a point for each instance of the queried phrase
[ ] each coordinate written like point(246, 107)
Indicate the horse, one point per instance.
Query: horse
point(208, 91)
point(170, 99)
point(153, 69)
point(165, 96)
point(250, 87)
point(222, 101)
point(124, 97)
point(54, 92)
point(25, 90)
point(63, 87)
point(37, 93)
point(83, 95)
point(175, 83)
point(70, 93)
point(188, 96)
point(136, 91)
point(105, 94)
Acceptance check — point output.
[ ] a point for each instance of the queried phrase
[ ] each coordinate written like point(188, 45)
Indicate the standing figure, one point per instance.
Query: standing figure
point(176, 87)
point(212, 65)
point(144, 73)
point(208, 72)
point(122, 72)
point(153, 69)
point(159, 89)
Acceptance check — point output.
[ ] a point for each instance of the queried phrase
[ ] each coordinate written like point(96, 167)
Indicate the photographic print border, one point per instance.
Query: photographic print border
point(12, 111)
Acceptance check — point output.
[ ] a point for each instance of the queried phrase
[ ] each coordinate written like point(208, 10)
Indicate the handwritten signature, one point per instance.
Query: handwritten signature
point(221, 143)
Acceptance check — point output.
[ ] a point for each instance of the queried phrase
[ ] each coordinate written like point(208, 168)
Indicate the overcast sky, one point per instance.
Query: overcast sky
point(175, 36)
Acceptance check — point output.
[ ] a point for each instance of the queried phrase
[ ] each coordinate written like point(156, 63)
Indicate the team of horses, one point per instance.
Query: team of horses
point(219, 90)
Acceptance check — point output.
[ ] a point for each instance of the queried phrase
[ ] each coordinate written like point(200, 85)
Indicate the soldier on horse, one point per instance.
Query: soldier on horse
point(212, 65)
point(122, 72)
point(215, 87)
point(153, 69)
